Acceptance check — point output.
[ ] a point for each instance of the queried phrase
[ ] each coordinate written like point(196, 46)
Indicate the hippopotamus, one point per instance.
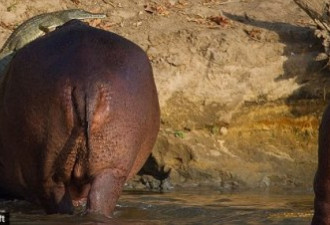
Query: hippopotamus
point(322, 176)
point(79, 116)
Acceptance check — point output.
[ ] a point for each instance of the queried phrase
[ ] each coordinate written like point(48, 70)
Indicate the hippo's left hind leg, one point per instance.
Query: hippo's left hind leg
point(58, 200)
point(105, 191)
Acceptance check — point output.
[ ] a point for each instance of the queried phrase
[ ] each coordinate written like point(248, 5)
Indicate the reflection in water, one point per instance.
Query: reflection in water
point(203, 207)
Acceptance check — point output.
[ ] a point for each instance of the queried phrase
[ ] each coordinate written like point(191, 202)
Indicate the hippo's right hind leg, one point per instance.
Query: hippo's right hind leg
point(105, 191)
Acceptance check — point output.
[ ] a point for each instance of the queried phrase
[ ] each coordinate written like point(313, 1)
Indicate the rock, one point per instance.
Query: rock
point(321, 56)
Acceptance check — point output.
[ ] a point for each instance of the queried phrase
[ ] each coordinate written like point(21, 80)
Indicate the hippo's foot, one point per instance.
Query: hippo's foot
point(105, 191)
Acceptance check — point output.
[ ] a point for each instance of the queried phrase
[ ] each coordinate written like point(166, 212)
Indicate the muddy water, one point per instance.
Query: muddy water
point(189, 207)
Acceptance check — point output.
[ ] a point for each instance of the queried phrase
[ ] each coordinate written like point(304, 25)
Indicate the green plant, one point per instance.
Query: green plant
point(179, 134)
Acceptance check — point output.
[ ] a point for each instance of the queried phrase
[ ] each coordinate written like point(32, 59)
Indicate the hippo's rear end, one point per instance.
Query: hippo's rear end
point(79, 115)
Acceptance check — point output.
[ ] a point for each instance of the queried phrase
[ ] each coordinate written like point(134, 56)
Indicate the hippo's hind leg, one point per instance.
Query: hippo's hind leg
point(57, 199)
point(105, 191)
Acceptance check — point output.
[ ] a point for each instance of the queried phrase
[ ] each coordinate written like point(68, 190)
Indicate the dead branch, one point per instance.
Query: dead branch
point(319, 11)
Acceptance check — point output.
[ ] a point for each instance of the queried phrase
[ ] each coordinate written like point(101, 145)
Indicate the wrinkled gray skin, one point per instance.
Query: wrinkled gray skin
point(41, 24)
point(79, 115)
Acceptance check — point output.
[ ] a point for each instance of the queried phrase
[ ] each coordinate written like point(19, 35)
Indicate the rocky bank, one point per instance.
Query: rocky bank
point(240, 92)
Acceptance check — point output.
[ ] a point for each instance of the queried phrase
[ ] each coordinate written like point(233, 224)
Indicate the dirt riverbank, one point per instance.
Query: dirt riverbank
point(241, 95)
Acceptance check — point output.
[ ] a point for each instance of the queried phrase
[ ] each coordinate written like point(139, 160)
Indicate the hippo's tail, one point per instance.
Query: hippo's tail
point(89, 111)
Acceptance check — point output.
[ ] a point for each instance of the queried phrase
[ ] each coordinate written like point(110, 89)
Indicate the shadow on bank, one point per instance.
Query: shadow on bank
point(301, 48)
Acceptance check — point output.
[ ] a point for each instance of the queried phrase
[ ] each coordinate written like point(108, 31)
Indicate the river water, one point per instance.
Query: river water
point(183, 207)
